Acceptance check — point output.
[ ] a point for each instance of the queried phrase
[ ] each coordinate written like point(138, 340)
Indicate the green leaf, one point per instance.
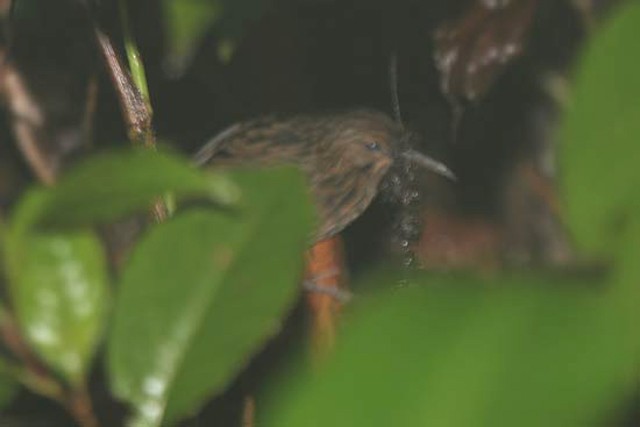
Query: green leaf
point(600, 153)
point(59, 291)
point(136, 65)
point(203, 292)
point(113, 184)
point(470, 352)
point(187, 22)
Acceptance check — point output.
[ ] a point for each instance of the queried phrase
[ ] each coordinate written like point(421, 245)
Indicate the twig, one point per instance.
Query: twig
point(28, 123)
point(79, 406)
point(133, 56)
point(135, 109)
point(12, 338)
point(33, 375)
point(249, 412)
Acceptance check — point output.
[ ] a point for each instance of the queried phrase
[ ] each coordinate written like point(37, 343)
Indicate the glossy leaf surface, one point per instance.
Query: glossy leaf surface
point(203, 292)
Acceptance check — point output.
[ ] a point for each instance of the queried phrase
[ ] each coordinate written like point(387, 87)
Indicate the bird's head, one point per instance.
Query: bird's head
point(370, 142)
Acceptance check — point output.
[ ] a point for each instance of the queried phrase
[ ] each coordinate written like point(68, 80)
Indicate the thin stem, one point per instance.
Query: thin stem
point(249, 412)
point(12, 338)
point(135, 109)
point(31, 373)
point(136, 66)
point(80, 407)
point(34, 376)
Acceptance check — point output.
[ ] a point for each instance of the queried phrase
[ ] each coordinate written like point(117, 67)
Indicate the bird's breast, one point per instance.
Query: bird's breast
point(342, 195)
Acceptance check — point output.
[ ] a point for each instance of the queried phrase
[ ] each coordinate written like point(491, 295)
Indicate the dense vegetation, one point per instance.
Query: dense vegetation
point(169, 324)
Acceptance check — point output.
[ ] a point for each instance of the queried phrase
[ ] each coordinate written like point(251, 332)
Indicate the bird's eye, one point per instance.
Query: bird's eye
point(372, 146)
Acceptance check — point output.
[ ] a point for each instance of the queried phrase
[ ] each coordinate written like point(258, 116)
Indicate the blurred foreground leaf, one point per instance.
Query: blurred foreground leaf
point(111, 185)
point(481, 353)
point(187, 22)
point(600, 153)
point(60, 295)
point(203, 292)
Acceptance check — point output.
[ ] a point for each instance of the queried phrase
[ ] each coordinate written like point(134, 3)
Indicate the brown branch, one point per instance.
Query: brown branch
point(135, 111)
point(37, 378)
point(31, 121)
point(43, 155)
point(249, 412)
point(79, 406)
point(11, 337)
point(28, 124)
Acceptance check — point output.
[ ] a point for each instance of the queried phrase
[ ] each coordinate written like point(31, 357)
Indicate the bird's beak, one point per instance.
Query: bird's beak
point(428, 163)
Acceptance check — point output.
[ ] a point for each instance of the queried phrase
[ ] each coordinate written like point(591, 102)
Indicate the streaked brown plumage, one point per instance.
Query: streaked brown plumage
point(345, 157)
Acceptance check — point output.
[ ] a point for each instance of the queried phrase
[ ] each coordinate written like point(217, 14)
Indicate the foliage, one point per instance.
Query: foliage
point(177, 299)
point(201, 293)
point(511, 350)
point(189, 20)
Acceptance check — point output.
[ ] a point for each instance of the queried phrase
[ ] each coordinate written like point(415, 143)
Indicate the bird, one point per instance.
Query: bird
point(344, 156)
